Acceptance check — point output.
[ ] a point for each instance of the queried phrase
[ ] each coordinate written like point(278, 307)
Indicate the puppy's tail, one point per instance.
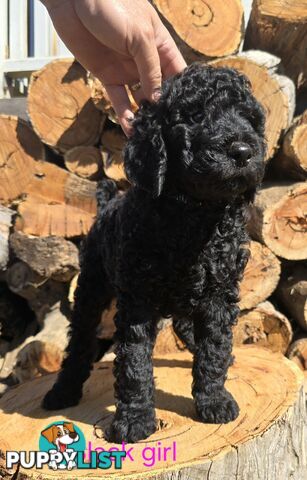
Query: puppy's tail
point(106, 190)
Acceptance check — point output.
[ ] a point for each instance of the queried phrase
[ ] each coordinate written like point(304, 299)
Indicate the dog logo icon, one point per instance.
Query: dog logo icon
point(61, 440)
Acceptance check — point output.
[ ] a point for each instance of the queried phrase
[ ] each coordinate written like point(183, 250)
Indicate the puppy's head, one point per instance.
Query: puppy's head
point(205, 137)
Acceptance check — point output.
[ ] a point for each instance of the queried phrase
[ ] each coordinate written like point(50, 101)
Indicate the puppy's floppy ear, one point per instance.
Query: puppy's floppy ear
point(69, 426)
point(145, 154)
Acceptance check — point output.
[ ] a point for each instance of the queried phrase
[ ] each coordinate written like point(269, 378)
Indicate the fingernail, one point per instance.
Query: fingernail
point(157, 94)
point(130, 119)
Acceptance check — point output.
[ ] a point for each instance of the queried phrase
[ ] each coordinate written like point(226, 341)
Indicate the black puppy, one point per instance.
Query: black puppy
point(174, 244)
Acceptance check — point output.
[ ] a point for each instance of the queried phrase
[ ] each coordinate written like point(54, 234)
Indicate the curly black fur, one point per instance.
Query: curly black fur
point(174, 244)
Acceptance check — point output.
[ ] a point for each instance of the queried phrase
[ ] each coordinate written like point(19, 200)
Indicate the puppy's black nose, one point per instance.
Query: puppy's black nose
point(73, 434)
point(241, 152)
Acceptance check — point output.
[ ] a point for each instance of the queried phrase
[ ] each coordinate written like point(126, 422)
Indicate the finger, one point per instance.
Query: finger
point(148, 64)
point(122, 106)
point(171, 59)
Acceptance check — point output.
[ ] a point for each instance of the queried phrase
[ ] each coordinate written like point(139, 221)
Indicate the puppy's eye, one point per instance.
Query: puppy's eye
point(59, 434)
point(66, 431)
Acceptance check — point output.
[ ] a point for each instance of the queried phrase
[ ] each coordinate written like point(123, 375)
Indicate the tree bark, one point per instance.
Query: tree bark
point(60, 106)
point(278, 219)
point(261, 276)
point(264, 326)
point(265, 441)
point(281, 30)
point(275, 92)
point(199, 28)
point(298, 353)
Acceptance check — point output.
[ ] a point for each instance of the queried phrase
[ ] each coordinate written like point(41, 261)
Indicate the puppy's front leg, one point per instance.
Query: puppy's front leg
point(212, 357)
point(134, 385)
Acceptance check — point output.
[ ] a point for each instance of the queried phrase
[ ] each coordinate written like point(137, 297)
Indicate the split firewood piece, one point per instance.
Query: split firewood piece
point(281, 29)
point(292, 159)
point(52, 257)
point(200, 29)
point(40, 292)
point(261, 276)
point(269, 426)
point(86, 162)
point(102, 100)
point(292, 292)
point(113, 140)
point(20, 148)
point(61, 108)
point(298, 352)
point(279, 219)
point(6, 216)
point(274, 92)
point(264, 326)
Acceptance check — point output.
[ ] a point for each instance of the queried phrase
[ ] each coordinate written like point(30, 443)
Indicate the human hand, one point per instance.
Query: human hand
point(122, 42)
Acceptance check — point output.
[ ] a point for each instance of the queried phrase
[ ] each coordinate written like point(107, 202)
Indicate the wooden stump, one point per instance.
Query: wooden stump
point(261, 276)
point(278, 218)
point(270, 89)
point(292, 292)
point(264, 326)
point(61, 108)
point(199, 28)
point(266, 441)
point(280, 28)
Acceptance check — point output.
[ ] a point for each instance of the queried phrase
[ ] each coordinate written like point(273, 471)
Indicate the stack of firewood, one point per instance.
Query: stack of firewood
point(50, 165)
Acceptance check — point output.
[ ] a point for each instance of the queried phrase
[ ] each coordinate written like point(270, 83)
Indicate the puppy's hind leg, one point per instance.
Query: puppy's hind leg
point(93, 294)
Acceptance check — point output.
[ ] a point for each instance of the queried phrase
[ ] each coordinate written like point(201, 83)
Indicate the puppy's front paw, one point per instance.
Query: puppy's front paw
point(220, 408)
point(58, 398)
point(129, 428)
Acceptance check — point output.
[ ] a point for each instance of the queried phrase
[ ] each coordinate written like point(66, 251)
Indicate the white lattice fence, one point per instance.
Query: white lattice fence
point(27, 40)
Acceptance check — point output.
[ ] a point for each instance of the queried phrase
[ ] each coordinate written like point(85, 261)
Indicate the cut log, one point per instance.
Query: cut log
point(292, 292)
point(6, 216)
point(292, 159)
point(52, 257)
point(279, 219)
point(113, 140)
point(20, 148)
point(60, 106)
point(261, 276)
point(199, 28)
point(86, 162)
point(102, 102)
point(264, 326)
point(274, 92)
point(40, 292)
point(280, 28)
point(298, 353)
point(265, 441)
